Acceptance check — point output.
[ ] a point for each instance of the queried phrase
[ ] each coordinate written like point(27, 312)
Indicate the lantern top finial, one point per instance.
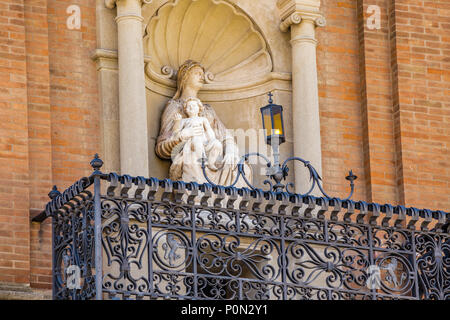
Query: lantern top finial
point(270, 97)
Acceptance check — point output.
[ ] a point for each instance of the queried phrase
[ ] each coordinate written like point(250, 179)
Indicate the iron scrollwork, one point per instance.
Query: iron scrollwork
point(434, 266)
point(164, 239)
point(124, 243)
point(279, 172)
point(73, 248)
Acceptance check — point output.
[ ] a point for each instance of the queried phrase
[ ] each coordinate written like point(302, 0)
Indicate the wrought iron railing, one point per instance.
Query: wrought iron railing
point(122, 237)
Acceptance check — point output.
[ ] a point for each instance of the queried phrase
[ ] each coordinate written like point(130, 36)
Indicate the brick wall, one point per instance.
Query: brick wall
point(377, 105)
point(384, 108)
point(420, 46)
point(71, 117)
point(39, 134)
point(14, 157)
point(341, 119)
point(384, 100)
point(50, 124)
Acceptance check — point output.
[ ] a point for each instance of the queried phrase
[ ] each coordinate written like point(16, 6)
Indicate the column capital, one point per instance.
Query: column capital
point(296, 11)
point(110, 4)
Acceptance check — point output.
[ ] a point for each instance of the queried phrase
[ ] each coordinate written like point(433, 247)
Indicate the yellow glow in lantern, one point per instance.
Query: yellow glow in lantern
point(272, 117)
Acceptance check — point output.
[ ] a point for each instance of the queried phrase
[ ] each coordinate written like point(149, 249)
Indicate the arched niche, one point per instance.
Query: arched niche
point(232, 48)
point(216, 33)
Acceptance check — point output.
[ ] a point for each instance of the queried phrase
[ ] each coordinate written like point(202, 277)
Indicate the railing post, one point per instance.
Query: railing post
point(52, 195)
point(96, 164)
point(53, 259)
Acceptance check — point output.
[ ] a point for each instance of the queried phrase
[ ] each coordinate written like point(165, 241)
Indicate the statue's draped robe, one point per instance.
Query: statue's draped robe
point(168, 145)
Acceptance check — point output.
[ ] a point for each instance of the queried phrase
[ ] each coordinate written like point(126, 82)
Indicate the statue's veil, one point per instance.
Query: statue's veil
point(182, 75)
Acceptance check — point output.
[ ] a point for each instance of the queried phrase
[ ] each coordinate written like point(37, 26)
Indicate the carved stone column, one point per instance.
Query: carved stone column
point(302, 17)
point(132, 100)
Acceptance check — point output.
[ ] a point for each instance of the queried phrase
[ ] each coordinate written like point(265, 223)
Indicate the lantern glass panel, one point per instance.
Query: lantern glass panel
point(278, 123)
point(267, 120)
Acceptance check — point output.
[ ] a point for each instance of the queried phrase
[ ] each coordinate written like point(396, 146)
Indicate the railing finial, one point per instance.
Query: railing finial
point(351, 177)
point(54, 193)
point(96, 163)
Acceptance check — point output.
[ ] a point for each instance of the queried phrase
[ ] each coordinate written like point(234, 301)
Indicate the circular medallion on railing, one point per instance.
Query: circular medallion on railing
point(171, 250)
point(396, 275)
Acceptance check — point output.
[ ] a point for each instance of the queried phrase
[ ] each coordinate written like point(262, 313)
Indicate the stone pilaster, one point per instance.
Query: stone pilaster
point(132, 100)
point(302, 17)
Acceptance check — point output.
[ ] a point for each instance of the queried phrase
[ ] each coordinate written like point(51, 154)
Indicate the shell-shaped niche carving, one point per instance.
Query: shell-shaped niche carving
point(213, 32)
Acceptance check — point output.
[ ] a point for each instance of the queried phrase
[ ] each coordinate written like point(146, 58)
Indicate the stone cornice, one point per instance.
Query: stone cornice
point(109, 54)
point(295, 11)
point(110, 4)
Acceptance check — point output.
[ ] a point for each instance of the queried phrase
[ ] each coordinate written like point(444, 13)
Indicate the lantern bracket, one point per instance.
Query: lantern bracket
point(277, 172)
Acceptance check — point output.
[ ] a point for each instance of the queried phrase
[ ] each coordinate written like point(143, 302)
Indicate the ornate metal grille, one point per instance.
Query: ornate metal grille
point(160, 239)
point(73, 242)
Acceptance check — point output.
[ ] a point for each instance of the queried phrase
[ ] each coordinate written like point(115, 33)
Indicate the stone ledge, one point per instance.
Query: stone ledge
point(11, 291)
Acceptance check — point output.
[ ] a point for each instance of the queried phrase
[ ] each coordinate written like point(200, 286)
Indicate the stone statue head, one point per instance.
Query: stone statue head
point(192, 74)
point(188, 105)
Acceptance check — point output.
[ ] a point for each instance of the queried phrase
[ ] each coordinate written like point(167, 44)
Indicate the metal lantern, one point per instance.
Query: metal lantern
point(272, 118)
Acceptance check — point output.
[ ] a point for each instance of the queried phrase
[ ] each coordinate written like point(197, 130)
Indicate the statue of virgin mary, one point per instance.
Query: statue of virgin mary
point(169, 145)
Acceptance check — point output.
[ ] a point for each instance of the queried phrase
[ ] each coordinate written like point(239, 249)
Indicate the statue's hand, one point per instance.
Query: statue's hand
point(191, 132)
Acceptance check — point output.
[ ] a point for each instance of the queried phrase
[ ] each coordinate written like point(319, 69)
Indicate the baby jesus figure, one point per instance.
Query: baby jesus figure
point(195, 147)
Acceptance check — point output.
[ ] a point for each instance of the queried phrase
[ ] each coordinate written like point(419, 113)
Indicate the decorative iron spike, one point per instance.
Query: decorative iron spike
point(351, 177)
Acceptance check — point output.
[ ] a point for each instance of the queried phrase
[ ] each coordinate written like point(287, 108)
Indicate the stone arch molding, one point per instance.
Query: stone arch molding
point(215, 33)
